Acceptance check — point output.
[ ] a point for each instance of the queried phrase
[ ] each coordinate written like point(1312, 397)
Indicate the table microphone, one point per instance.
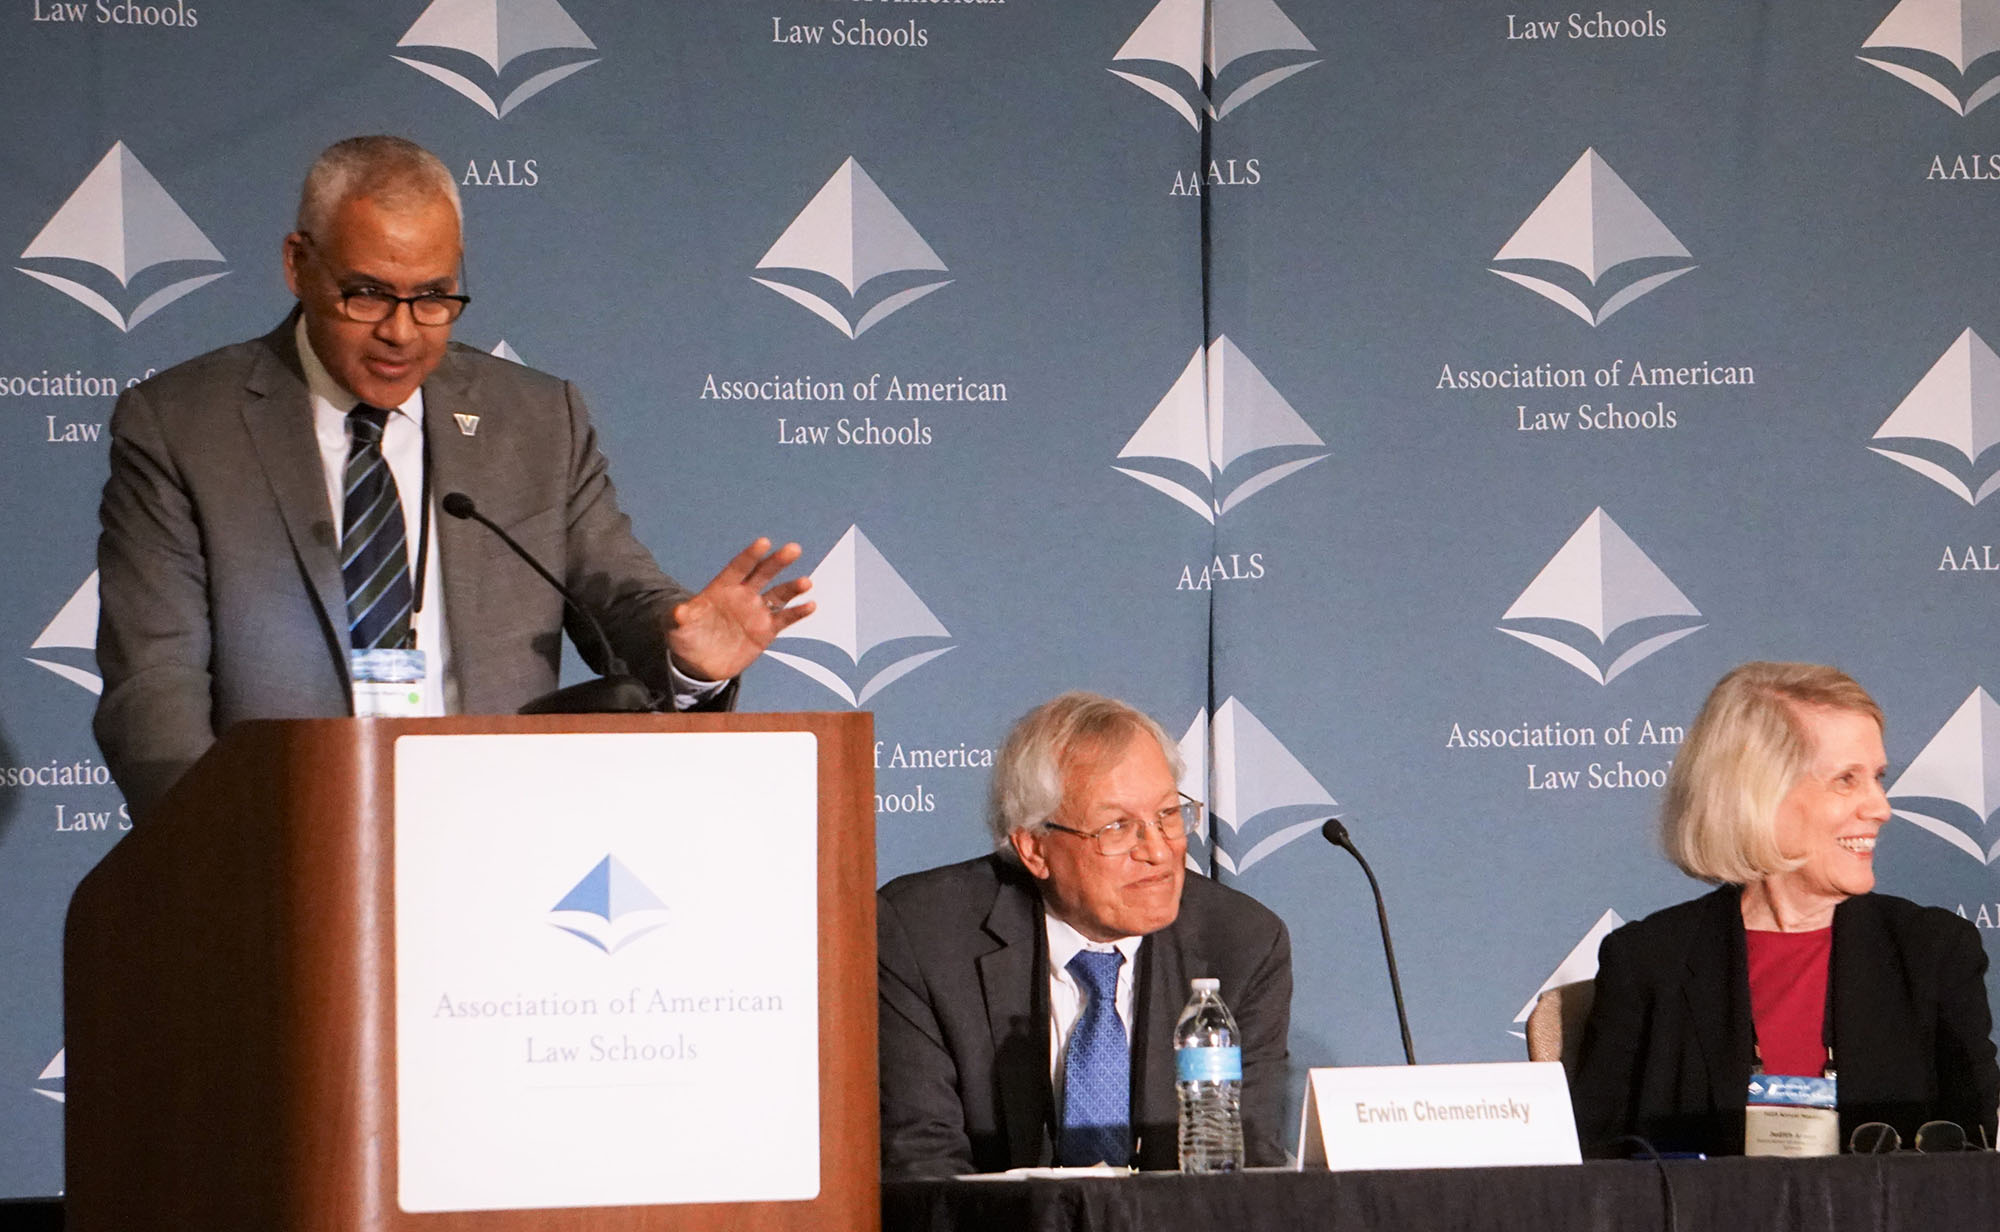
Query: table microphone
point(617, 691)
point(1336, 833)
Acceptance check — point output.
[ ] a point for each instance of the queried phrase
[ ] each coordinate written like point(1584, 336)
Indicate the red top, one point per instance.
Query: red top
point(1788, 998)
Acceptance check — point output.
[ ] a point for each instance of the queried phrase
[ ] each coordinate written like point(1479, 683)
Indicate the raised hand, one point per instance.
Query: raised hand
point(723, 629)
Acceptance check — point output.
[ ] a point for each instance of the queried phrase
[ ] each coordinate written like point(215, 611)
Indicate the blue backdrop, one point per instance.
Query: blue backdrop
point(1418, 405)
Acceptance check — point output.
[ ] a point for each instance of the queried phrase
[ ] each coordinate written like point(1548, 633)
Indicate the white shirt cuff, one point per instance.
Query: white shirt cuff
point(691, 691)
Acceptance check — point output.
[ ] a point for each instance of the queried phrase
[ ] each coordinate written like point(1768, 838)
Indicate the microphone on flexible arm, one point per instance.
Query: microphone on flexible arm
point(1336, 833)
point(617, 691)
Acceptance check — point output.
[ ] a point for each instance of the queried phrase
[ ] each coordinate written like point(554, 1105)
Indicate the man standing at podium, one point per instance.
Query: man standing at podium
point(272, 508)
point(1028, 998)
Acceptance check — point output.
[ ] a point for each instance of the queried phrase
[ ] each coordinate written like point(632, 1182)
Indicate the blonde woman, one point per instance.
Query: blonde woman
point(1794, 965)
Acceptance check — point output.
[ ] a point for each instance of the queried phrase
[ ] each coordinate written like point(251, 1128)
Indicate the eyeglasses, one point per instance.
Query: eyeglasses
point(370, 306)
point(1120, 837)
point(1933, 1138)
point(373, 305)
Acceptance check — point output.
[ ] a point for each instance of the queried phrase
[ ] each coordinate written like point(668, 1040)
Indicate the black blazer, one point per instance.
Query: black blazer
point(964, 1019)
point(1668, 1050)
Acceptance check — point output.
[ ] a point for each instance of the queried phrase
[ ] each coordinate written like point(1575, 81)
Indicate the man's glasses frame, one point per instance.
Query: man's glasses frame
point(374, 305)
point(1120, 837)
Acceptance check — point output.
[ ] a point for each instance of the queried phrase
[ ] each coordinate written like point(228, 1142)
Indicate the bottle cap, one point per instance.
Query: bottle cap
point(1205, 985)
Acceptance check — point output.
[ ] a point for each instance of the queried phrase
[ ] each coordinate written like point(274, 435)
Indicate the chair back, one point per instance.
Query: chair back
point(1555, 1026)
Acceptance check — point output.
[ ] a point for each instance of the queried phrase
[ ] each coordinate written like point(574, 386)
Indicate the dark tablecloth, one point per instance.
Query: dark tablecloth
point(1903, 1193)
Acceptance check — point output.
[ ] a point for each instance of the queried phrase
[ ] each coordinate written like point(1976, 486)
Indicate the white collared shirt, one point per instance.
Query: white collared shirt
point(403, 448)
point(1066, 998)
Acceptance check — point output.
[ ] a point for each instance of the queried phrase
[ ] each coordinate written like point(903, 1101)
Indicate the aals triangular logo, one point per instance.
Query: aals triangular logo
point(851, 238)
point(1212, 56)
point(1248, 776)
point(1579, 964)
point(1952, 787)
point(526, 46)
point(74, 628)
point(1599, 583)
point(1935, 45)
point(1590, 227)
point(610, 907)
point(121, 222)
point(1947, 423)
point(869, 614)
point(49, 1083)
point(1220, 410)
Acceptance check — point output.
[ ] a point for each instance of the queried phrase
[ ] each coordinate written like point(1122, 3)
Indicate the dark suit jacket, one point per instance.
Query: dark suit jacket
point(221, 595)
point(965, 1019)
point(1668, 1050)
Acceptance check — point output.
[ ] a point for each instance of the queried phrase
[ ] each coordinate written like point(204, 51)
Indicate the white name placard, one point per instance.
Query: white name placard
point(1437, 1116)
point(607, 977)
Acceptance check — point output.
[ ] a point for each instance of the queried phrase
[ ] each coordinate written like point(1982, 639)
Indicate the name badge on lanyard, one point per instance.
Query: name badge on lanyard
point(1792, 1116)
point(388, 684)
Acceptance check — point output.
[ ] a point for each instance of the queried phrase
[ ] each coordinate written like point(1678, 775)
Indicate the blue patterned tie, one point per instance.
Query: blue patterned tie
point(374, 561)
point(1097, 1071)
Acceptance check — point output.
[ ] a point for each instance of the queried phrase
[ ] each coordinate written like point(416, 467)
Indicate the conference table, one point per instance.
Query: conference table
point(1906, 1193)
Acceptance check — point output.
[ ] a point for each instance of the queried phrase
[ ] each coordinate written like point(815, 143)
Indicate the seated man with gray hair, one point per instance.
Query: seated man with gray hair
point(1028, 997)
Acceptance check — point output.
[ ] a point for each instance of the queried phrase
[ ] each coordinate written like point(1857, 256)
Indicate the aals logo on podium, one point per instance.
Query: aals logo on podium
point(1945, 426)
point(1952, 787)
point(49, 1083)
point(1220, 411)
point(869, 615)
point(1253, 777)
point(73, 630)
point(1579, 964)
point(610, 907)
point(1592, 246)
point(121, 231)
point(526, 46)
point(1212, 56)
point(1936, 46)
point(851, 238)
point(1601, 585)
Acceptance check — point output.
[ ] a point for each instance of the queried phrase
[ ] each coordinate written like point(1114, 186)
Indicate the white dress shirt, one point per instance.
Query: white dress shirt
point(403, 448)
point(1066, 997)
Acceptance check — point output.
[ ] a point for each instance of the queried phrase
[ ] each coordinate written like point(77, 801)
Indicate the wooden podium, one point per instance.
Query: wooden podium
point(230, 993)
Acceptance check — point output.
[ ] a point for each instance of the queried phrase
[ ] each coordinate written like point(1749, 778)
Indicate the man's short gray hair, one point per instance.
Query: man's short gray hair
point(1076, 730)
point(391, 170)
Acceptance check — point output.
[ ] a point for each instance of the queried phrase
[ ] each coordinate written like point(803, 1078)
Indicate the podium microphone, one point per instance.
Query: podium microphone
point(1336, 833)
point(617, 691)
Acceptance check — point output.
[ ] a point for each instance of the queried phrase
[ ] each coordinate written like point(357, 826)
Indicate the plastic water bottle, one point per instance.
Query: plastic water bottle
point(1208, 1073)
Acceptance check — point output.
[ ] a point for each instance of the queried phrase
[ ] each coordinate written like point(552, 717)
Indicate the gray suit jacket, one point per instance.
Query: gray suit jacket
point(220, 588)
point(963, 978)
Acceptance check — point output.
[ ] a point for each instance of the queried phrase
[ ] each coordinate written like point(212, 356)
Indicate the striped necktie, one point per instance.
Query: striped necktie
point(1097, 1070)
point(374, 558)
